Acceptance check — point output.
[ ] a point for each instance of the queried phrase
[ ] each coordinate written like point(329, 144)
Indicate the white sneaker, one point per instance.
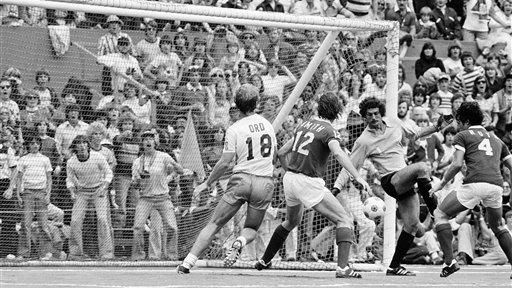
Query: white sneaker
point(10, 257)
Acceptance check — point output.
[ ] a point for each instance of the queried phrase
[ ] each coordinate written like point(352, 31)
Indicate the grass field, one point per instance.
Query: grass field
point(148, 277)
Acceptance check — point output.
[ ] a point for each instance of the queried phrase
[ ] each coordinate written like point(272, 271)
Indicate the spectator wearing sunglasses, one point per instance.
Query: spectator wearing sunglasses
point(5, 100)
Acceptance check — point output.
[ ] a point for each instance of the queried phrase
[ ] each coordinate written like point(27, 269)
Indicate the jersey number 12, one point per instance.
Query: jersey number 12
point(301, 141)
point(265, 146)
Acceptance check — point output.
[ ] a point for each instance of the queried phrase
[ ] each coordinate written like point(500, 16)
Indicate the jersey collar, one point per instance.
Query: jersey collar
point(476, 127)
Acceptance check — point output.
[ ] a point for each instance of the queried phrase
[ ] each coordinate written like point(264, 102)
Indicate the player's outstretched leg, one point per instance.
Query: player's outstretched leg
point(344, 237)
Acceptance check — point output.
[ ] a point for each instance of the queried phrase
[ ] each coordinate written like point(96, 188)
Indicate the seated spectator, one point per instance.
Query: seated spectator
point(67, 131)
point(232, 57)
point(426, 26)
point(270, 6)
point(47, 96)
point(17, 91)
point(192, 96)
point(275, 83)
point(453, 63)
point(447, 21)
point(434, 112)
point(34, 183)
point(181, 45)
point(88, 178)
point(456, 101)
point(494, 81)
point(378, 88)
point(464, 80)
point(427, 60)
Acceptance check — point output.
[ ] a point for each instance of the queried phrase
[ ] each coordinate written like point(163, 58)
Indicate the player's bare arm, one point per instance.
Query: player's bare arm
point(455, 167)
point(281, 153)
point(344, 160)
point(442, 123)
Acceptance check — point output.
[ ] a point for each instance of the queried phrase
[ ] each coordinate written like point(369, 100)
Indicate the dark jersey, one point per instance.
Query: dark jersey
point(483, 153)
point(310, 148)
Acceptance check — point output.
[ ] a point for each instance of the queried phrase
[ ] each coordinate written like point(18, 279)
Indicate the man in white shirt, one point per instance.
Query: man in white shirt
point(251, 142)
point(273, 82)
point(378, 88)
point(68, 130)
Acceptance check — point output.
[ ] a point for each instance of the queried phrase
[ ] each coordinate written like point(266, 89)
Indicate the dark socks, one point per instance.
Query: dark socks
point(505, 241)
point(276, 241)
point(423, 187)
point(445, 236)
point(344, 238)
point(402, 246)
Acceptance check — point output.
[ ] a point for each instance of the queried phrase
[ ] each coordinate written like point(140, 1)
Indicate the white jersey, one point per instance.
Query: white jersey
point(253, 140)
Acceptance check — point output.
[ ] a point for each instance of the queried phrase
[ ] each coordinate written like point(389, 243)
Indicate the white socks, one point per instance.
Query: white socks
point(189, 261)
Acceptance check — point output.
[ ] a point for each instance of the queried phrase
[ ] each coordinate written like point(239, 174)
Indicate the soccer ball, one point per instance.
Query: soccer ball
point(374, 207)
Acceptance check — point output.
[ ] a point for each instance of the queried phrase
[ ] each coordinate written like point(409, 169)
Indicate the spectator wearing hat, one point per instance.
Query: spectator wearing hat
point(166, 64)
point(107, 44)
point(464, 80)
point(149, 174)
point(443, 92)
point(273, 82)
point(47, 96)
point(121, 64)
point(279, 49)
point(453, 63)
point(504, 99)
point(447, 21)
point(149, 47)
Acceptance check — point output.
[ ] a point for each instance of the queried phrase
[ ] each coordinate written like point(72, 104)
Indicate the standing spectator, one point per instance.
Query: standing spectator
point(487, 103)
point(270, 6)
point(68, 130)
point(447, 21)
point(5, 101)
point(126, 150)
point(181, 45)
point(426, 26)
point(47, 96)
point(200, 54)
point(139, 103)
point(476, 25)
point(147, 48)
point(378, 88)
point(494, 81)
point(279, 49)
point(443, 83)
point(166, 64)
point(453, 63)
point(33, 112)
point(427, 60)
point(308, 7)
point(407, 21)
point(96, 133)
point(218, 105)
point(121, 64)
point(108, 44)
point(231, 59)
point(273, 82)
point(504, 99)
point(34, 183)
point(192, 96)
point(8, 207)
point(150, 172)
point(88, 178)
point(49, 147)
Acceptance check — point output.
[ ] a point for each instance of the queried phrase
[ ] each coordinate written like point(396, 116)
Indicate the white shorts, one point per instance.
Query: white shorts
point(301, 189)
point(469, 195)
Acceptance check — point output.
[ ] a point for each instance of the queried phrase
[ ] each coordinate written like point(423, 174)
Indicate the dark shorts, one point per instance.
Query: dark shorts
point(385, 182)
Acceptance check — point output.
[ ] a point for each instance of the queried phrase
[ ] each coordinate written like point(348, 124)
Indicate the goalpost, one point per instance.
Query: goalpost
point(296, 76)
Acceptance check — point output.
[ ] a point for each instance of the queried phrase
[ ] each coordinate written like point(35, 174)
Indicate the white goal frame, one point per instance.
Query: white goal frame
point(171, 11)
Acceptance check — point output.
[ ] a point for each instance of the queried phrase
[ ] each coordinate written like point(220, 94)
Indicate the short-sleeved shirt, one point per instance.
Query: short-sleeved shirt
point(169, 63)
point(483, 153)
point(310, 148)
point(253, 140)
point(158, 167)
point(123, 63)
point(7, 161)
point(34, 168)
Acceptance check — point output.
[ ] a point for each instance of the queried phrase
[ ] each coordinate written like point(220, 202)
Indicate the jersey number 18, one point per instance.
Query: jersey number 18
point(265, 146)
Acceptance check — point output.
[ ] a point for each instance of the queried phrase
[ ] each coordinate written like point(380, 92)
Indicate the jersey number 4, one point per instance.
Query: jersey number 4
point(265, 146)
point(485, 145)
point(301, 141)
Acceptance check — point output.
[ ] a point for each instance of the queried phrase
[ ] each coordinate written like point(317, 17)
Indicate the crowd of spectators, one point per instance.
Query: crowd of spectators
point(183, 72)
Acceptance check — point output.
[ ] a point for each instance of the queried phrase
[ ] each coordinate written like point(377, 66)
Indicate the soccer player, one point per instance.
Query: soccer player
point(381, 142)
point(251, 142)
point(303, 185)
point(482, 152)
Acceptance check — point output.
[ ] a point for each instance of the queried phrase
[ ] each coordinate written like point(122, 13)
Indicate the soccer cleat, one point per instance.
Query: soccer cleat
point(399, 271)
point(449, 270)
point(182, 269)
point(233, 254)
point(347, 273)
point(261, 265)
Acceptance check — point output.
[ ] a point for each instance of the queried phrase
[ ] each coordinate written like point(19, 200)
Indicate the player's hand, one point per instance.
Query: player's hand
point(436, 187)
point(361, 184)
point(444, 121)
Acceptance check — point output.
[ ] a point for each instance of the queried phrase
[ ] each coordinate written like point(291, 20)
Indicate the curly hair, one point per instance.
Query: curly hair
point(329, 106)
point(96, 127)
point(470, 112)
point(370, 103)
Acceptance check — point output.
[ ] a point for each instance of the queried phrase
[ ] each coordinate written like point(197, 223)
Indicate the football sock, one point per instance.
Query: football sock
point(189, 261)
point(402, 246)
point(505, 241)
point(276, 241)
point(344, 237)
point(445, 236)
point(424, 187)
point(242, 240)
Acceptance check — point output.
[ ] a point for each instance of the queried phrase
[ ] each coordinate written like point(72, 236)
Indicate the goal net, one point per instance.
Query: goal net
point(113, 70)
